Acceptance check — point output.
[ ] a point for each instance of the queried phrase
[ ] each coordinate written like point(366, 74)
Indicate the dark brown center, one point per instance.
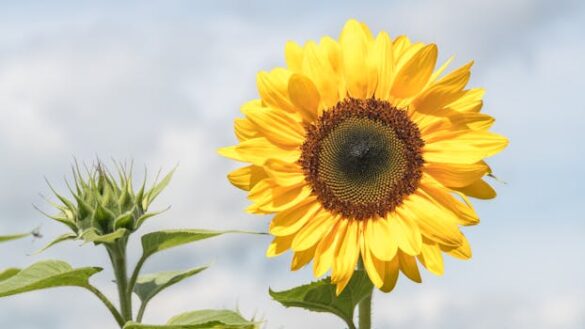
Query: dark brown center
point(362, 158)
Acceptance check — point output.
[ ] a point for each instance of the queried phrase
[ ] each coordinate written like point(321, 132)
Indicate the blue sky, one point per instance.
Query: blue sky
point(160, 83)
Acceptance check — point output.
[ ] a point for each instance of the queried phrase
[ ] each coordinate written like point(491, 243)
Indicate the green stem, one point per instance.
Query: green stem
point(365, 307)
point(118, 257)
point(108, 304)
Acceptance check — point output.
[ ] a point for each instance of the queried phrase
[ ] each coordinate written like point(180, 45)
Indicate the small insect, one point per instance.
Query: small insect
point(36, 233)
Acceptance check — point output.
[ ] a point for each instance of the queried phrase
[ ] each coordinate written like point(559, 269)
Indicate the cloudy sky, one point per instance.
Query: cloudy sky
point(160, 82)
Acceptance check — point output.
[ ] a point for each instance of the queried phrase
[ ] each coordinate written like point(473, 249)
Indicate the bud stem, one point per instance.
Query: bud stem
point(118, 257)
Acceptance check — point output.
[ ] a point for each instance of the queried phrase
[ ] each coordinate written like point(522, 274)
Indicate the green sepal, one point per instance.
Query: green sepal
point(57, 240)
point(46, 274)
point(148, 215)
point(125, 220)
point(92, 235)
point(204, 319)
point(157, 189)
point(320, 296)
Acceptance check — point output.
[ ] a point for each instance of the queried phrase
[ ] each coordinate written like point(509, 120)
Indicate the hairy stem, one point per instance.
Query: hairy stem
point(365, 307)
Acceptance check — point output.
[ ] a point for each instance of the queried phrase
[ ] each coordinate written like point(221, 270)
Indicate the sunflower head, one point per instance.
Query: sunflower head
point(363, 149)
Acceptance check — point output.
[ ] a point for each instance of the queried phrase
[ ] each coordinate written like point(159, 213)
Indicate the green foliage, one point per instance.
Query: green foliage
point(6, 238)
point(46, 274)
point(320, 296)
point(204, 319)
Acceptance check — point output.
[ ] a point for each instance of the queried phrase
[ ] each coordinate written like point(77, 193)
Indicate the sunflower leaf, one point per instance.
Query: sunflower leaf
point(149, 285)
point(204, 319)
point(8, 273)
point(46, 274)
point(320, 296)
point(161, 240)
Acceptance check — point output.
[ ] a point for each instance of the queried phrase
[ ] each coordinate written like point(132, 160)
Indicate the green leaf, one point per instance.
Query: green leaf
point(6, 238)
point(320, 296)
point(8, 273)
point(161, 240)
point(149, 285)
point(204, 319)
point(46, 274)
point(92, 235)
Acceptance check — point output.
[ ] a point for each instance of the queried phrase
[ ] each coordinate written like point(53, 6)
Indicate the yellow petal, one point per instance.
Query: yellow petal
point(279, 245)
point(479, 190)
point(313, 231)
point(414, 75)
point(293, 54)
point(259, 150)
point(443, 92)
point(374, 267)
point(441, 69)
point(302, 258)
point(390, 274)
point(284, 173)
point(405, 232)
point(380, 239)
point(431, 258)
point(346, 256)
point(463, 252)
point(277, 126)
point(268, 197)
point(273, 89)
point(383, 59)
point(304, 95)
point(435, 221)
point(354, 52)
point(470, 101)
point(464, 147)
point(317, 66)
point(247, 177)
point(457, 175)
point(465, 214)
point(291, 220)
point(409, 267)
point(325, 252)
point(245, 129)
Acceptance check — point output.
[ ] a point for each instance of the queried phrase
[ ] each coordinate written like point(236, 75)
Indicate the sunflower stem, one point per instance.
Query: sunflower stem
point(365, 307)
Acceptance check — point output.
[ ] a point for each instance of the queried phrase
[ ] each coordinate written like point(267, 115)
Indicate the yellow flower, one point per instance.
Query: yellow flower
point(362, 149)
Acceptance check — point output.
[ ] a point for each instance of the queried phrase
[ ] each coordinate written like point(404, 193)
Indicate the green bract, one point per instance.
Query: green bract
point(103, 207)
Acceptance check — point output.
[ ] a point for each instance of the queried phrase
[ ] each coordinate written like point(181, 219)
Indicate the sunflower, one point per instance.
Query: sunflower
point(362, 149)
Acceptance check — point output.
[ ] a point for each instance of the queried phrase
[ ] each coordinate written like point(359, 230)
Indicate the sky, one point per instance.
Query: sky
point(160, 83)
